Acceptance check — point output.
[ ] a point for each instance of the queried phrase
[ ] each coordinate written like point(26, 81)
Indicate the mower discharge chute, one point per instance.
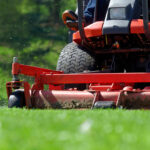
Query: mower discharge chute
point(106, 66)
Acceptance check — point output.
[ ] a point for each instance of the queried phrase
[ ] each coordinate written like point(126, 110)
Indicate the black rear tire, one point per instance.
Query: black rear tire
point(74, 59)
point(16, 99)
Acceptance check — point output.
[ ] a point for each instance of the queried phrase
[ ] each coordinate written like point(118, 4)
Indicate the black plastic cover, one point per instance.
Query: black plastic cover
point(104, 104)
point(133, 10)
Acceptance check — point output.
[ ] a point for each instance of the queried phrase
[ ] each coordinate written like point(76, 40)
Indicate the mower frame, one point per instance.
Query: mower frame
point(114, 87)
point(102, 89)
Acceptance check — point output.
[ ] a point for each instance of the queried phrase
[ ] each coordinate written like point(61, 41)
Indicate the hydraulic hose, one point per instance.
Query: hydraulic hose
point(81, 19)
point(146, 18)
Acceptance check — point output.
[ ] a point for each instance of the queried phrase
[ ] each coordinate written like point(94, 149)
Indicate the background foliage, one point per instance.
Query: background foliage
point(33, 31)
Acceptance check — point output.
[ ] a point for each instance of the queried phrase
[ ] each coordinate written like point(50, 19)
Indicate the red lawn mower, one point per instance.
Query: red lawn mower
point(106, 66)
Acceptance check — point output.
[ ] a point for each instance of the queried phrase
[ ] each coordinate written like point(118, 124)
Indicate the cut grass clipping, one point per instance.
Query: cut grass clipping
point(74, 129)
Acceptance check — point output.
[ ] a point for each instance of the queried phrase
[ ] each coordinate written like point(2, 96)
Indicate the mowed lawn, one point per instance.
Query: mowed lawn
point(74, 129)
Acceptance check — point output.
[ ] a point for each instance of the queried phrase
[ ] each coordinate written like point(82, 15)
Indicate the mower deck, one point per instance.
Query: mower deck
point(112, 89)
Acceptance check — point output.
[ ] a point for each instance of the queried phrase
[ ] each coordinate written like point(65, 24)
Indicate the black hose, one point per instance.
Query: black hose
point(96, 11)
point(146, 18)
point(81, 20)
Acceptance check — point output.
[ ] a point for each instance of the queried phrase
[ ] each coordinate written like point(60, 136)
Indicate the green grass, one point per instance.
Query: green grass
point(74, 130)
point(4, 78)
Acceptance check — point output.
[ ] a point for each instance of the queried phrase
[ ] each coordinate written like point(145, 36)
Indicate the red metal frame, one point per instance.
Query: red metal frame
point(95, 78)
point(30, 70)
point(101, 86)
point(47, 76)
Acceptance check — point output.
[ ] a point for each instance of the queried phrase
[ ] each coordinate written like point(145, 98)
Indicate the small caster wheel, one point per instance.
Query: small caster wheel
point(16, 99)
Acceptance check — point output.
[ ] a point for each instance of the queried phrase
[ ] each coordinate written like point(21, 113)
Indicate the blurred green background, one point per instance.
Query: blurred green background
point(33, 31)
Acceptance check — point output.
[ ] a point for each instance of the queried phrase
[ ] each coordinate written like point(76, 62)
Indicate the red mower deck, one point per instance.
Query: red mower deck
point(113, 89)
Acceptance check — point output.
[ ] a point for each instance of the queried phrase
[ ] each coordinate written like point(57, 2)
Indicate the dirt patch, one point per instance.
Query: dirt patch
point(74, 104)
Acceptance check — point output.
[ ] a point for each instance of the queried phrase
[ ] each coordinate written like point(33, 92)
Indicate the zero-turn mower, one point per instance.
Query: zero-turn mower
point(106, 66)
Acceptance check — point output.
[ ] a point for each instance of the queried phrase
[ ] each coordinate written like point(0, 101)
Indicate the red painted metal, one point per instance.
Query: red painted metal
point(62, 99)
point(9, 87)
point(70, 99)
point(137, 26)
point(117, 87)
point(27, 94)
point(30, 70)
point(46, 76)
point(135, 99)
point(86, 99)
point(92, 30)
point(95, 29)
point(95, 78)
point(107, 87)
